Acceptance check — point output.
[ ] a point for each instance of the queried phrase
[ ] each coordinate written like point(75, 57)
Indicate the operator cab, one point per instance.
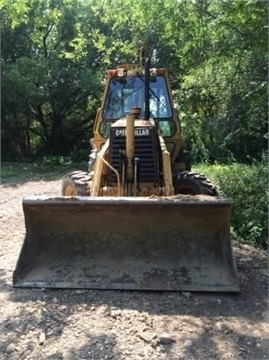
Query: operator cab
point(127, 91)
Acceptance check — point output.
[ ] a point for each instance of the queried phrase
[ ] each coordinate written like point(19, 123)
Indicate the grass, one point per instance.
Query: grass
point(247, 185)
point(44, 169)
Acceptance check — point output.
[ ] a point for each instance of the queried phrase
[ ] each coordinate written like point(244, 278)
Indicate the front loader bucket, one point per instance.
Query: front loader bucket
point(177, 243)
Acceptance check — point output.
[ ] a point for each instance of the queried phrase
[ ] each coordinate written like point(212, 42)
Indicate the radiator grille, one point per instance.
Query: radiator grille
point(146, 149)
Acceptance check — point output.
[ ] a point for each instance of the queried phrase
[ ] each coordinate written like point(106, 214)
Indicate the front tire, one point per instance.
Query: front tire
point(190, 183)
point(76, 184)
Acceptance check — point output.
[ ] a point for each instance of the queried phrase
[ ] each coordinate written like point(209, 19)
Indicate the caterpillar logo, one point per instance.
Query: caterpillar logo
point(138, 132)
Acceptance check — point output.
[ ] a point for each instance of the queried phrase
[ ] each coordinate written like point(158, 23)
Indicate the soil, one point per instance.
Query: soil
point(103, 324)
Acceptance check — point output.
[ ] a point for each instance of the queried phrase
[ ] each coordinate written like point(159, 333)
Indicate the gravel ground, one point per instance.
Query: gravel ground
point(90, 324)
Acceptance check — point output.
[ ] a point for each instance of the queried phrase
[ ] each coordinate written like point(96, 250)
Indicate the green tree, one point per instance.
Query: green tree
point(50, 76)
point(223, 95)
point(54, 53)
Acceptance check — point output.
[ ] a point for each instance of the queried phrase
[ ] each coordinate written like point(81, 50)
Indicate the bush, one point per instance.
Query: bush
point(247, 186)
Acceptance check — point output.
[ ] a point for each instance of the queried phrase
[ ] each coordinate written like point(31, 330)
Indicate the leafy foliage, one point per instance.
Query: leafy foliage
point(247, 185)
point(223, 95)
point(50, 79)
point(55, 52)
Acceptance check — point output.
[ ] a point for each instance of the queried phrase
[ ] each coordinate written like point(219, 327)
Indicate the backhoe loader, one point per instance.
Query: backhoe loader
point(138, 218)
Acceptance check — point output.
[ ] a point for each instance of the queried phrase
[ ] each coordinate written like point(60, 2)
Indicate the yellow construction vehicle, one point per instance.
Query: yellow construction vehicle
point(139, 218)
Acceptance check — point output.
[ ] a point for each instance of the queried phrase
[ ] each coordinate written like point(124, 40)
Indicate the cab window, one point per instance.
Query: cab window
point(125, 93)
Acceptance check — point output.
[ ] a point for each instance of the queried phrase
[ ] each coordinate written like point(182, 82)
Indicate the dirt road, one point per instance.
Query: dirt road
point(85, 324)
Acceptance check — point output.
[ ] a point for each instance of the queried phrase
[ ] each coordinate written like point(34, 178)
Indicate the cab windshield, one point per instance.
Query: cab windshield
point(127, 92)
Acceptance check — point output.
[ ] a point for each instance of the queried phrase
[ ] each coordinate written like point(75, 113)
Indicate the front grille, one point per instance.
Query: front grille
point(146, 149)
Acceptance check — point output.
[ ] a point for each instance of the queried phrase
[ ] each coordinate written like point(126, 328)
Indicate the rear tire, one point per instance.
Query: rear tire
point(190, 183)
point(76, 184)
